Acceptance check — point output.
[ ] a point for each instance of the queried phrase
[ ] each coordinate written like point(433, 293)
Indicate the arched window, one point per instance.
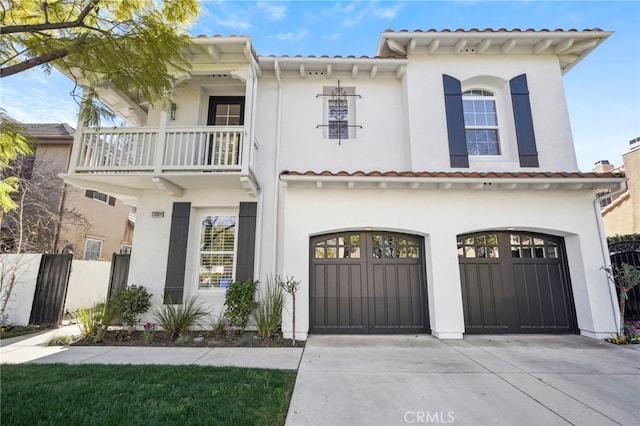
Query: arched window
point(480, 122)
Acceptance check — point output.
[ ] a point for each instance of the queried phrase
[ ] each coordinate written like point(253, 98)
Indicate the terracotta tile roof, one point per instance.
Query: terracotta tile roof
point(492, 30)
point(484, 175)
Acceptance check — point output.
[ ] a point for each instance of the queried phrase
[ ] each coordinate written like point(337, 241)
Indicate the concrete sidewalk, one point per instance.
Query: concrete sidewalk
point(31, 349)
point(481, 380)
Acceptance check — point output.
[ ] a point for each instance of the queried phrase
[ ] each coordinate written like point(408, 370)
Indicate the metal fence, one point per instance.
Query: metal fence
point(628, 251)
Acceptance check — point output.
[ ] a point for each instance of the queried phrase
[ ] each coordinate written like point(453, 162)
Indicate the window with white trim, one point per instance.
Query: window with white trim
point(92, 249)
point(217, 252)
point(125, 249)
point(100, 196)
point(481, 122)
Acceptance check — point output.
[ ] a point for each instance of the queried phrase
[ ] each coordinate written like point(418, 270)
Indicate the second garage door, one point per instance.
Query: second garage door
point(514, 282)
point(367, 282)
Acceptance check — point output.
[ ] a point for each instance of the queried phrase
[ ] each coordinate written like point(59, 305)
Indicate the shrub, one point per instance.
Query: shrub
point(94, 321)
point(59, 341)
point(176, 319)
point(131, 302)
point(268, 314)
point(219, 323)
point(240, 303)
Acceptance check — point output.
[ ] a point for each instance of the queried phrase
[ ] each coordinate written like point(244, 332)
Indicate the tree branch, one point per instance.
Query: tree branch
point(33, 62)
point(12, 29)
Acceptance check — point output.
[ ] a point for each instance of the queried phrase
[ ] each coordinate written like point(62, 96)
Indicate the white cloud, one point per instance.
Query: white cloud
point(275, 12)
point(387, 12)
point(232, 22)
point(36, 98)
point(355, 12)
point(291, 36)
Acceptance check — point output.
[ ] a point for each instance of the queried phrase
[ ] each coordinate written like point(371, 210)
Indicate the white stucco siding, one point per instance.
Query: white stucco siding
point(440, 216)
point(428, 134)
point(151, 241)
point(378, 145)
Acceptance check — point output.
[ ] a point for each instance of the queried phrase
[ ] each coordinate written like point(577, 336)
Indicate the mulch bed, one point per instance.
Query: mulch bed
point(248, 339)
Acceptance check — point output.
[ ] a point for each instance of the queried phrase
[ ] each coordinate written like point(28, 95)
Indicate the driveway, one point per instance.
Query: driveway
point(481, 380)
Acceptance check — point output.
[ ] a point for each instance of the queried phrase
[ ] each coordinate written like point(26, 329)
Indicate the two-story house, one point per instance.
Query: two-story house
point(432, 188)
point(61, 217)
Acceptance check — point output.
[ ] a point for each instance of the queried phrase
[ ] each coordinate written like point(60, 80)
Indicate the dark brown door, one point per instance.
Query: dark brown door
point(515, 282)
point(367, 282)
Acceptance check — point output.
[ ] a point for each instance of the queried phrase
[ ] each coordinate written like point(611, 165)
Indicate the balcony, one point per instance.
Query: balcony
point(175, 158)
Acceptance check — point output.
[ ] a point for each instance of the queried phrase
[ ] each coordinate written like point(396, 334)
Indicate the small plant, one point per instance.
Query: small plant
point(95, 320)
point(60, 341)
point(268, 314)
point(625, 277)
point(240, 303)
point(176, 319)
point(131, 302)
point(219, 323)
point(147, 334)
point(184, 339)
point(290, 286)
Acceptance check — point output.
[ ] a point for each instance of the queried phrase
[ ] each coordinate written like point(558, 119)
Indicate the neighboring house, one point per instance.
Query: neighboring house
point(621, 211)
point(89, 224)
point(433, 188)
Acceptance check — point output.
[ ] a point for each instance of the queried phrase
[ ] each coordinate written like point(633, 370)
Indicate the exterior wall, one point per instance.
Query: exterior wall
point(428, 133)
point(631, 161)
point(624, 217)
point(148, 265)
point(109, 224)
point(379, 145)
point(18, 309)
point(88, 284)
point(440, 216)
point(392, 139)
point(619, 219)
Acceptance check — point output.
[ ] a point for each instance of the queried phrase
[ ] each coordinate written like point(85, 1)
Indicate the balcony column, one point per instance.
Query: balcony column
point(77, 143)
point(247, 76)
point(162, 139)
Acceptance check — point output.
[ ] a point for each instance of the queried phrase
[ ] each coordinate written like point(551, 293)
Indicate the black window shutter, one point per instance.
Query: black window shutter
point(176, 260)
point(523, 120)
point(458, 154)
point(246, 241)
point(112, 201)
point(89, 193)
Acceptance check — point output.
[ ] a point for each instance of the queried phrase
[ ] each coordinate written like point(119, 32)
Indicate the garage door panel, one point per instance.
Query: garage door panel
point(376, 287)
point(418, 310)
point(559, 296)
point(514, 282)
point(352, 298)
point(318, 299)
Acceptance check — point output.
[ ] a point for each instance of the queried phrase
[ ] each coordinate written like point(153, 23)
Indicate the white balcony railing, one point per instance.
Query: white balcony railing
point(209, 148)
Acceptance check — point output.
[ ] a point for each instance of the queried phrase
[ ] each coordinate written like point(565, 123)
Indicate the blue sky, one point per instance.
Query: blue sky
point(603, 91)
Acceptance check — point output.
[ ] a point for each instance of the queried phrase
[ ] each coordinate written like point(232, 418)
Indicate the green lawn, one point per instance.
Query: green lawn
point(143, 395)
point(17, 331)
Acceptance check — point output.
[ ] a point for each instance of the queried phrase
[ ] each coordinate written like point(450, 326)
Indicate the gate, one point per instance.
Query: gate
point(119, 273)
point(628, 251)
point(51, 289)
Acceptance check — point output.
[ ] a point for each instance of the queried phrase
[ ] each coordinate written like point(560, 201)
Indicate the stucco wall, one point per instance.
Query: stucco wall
point(440, 216)
point(106, 223)
point(19, 304)
point(88, 284)
point(151, 241)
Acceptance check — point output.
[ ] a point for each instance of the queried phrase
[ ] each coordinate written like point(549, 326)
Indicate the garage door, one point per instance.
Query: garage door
point(514, 282)
point(367, 282)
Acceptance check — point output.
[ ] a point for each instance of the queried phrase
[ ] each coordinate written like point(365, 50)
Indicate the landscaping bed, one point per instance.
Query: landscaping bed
point(248, 339)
